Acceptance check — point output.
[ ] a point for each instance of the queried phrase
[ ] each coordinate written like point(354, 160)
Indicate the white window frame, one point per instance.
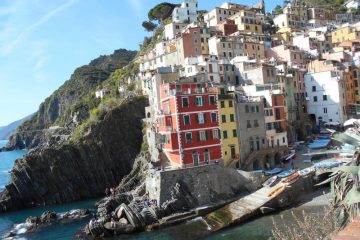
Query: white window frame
point(215, 133)
point(201, 118)
point(200, 102)
point(202, 135)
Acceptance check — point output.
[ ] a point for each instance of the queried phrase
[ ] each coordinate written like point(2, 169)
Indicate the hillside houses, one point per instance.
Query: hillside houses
point(222, 87)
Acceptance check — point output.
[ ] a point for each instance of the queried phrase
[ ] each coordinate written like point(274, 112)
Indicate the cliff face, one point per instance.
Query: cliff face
point(82, 169)
point(58, 108)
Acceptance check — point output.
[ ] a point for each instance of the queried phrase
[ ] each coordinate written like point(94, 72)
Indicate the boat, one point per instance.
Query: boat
point(320, 143)
point(258, 171)
point(276, 191)
point(291, 179)
point(274, 171)
point(271, 181)
point(329, 164)
point(306, 171)
point(286, 173)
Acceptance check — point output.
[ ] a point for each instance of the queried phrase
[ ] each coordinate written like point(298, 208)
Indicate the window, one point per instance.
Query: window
point(199, 101)
point(225, 134)
point(232, 118)
point(313, 88)
point(325, 110)
point(202, 136)
point(324, 97)
point(256, 123)
point(201, 118)
point(230, 104)
point(222, 104)
point(257, 109)
point(234, 133)
point(248, 125)
point(186, 120)
point(246, 108)
point(188, 137)
point(215, 134)
point(223, 118)
point(277, 114)
point(283, 139)
point(315, 98)
point(185, 102)
point(213, 117)
point(212, 100)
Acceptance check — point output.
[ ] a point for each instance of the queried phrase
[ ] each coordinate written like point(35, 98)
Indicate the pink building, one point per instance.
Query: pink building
point(287, 53)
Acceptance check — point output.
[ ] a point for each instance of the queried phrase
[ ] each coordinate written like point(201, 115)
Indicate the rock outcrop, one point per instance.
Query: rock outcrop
point(80, 169)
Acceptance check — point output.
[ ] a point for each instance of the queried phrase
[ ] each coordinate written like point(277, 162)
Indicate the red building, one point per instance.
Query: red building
point(189, 123)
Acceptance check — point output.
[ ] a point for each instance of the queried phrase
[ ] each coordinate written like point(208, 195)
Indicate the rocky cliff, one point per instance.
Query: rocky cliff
point(81, 168)
point(58, 109)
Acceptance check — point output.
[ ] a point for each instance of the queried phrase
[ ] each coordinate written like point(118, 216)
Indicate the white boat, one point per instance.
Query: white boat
point(270, 182)
point(306, 171)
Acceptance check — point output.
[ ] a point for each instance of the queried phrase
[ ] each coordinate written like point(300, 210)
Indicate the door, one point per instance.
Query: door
point(195, 156)
point(207, 156)
point(233, 152)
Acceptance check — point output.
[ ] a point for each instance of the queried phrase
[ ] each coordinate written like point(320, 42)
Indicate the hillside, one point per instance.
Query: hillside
point(6, 131)
point(58, 109)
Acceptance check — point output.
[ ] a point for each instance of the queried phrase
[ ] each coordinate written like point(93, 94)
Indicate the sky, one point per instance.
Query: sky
point(42, 42)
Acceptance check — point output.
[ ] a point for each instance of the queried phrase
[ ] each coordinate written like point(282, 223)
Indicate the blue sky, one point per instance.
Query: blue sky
point(42, 42)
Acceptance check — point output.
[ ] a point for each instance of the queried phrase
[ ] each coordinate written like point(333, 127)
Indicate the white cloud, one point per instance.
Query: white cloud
point(8, 48)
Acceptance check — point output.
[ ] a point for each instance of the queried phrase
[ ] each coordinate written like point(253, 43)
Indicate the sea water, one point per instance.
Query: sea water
point(259, 229)
point(9, 220)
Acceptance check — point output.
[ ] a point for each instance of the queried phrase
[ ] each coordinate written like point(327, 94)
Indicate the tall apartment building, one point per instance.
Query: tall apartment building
point(189, 124)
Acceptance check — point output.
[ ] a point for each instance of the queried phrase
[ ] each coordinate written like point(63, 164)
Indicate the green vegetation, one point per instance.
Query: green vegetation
point(161, 11)
point(278, 10)
point(149, 26)
point(95, 109)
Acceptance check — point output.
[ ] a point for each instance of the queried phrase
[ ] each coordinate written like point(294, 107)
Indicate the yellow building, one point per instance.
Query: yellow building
point(228, 125)
point(285, 34)
point(247, 21)
point(347, 33)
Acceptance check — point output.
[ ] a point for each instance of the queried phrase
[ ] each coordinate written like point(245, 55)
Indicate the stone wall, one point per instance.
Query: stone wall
point(205, 184)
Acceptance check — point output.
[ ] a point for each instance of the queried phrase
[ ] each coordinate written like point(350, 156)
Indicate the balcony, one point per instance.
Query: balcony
point(279, 130)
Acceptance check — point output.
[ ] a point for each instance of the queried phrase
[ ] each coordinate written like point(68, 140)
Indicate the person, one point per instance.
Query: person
point(107, 192)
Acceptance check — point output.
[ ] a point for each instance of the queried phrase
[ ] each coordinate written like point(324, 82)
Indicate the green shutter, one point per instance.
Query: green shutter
point(211, 135)
point(206, 135)
point(195, 101)
point(204, 117)
point(203, 100)
point(198, 136)
point(197, 118)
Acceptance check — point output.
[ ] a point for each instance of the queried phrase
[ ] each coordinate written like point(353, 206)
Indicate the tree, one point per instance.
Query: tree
point(149, 26)
point(278, 10)
point(161, 11)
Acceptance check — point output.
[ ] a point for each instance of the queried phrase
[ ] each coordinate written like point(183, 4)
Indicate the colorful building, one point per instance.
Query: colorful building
point(189, 124)
point(346, 33)
point(229, 128)
point(247, 21)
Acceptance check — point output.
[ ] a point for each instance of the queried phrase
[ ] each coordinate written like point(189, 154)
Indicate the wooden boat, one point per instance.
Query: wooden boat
point(277, 190)
point(274, 171)
point(286, 173)
point(271, 181)
point(291, 179)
